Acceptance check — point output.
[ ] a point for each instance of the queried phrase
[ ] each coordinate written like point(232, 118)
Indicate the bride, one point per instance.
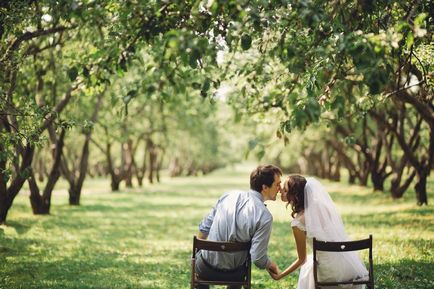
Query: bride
point(316, 216)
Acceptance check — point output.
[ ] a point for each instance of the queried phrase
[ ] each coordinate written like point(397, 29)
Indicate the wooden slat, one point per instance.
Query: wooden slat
point(221, 246)
point(342, 246)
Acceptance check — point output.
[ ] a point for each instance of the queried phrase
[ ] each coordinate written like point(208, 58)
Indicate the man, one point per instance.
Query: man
point(240, 216)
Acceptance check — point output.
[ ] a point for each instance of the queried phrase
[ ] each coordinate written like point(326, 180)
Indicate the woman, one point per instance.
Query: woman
point(316, 216)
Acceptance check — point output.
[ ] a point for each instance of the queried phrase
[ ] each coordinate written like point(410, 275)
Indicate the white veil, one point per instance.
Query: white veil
point(325, 224)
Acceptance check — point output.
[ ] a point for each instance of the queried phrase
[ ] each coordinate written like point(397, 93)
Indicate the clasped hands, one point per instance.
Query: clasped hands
point(274, 271)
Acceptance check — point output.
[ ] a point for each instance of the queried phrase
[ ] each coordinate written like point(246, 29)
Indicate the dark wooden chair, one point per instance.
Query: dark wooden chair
point(199, 244)
point(358, 245)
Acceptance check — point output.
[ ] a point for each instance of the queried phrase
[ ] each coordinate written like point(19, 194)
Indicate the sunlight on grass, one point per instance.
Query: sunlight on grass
point(142, 238)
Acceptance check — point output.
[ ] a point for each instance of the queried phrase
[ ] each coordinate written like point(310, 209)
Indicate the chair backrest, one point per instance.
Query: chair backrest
point(344, 246)
point(200, 244)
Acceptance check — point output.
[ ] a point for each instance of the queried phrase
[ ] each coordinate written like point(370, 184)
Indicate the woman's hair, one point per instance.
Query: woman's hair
point(295, 187)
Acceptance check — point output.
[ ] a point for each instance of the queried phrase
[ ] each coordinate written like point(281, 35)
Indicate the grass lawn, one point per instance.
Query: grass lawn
point(142, 238)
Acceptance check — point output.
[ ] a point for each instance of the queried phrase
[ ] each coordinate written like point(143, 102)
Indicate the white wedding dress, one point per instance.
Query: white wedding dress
point(321, 220)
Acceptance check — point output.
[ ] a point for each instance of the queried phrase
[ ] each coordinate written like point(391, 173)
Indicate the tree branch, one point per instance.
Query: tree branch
point(31, 35)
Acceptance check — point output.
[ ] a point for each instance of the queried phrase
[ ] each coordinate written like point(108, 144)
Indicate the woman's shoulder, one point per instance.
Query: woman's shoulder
point(299, 222)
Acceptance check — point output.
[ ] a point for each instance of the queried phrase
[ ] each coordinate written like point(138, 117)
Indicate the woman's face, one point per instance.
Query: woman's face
point(284, 192)
point(286, 196)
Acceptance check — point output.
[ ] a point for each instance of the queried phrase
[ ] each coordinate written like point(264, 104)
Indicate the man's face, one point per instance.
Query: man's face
point(275, 188)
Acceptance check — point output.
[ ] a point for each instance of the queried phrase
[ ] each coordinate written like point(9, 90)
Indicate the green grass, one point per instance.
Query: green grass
point(142, 238)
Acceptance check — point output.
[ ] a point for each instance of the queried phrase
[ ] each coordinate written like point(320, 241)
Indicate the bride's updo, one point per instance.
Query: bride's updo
point(294, 185)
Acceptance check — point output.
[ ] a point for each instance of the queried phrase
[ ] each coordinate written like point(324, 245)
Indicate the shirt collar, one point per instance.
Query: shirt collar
point(257, 194)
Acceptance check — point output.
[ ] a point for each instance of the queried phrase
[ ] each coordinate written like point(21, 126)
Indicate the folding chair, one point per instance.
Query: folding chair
point(199, 244)
point(343, 247)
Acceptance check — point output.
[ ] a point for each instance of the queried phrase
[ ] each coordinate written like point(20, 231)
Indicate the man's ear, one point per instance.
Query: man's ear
point(264, 187)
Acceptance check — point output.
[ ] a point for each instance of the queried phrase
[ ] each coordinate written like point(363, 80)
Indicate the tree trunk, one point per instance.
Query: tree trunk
point(336, 171)
point(76, 184)
point(377, 181)
point(40, 206)
point(396, 189)
point(41, 203)
point(140, 171)
point(140, 181)
point(421, 165)
point(420, 188)
point(7, 195)
point(115, 182)
point(117, 175)
point(351, 177)
point(152, 159)
point(127, 159)
point(175, 169)
point(160, 164)
point(74, 195)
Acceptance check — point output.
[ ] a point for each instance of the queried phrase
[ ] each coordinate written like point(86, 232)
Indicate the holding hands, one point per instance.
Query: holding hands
point(274, 271)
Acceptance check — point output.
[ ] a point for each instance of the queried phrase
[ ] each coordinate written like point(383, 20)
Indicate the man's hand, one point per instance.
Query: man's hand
point(273, 270)
point(202, 236)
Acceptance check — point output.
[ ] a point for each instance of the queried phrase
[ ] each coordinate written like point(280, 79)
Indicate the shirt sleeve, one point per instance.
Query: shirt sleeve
point(258, 250)
point(206, 223)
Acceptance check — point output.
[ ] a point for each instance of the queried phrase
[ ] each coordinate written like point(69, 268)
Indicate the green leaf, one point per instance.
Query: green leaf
point(410, 40)
point(203, 94)
point(130, 95)
point(195, 85)
point(194, 57)
point(86, 72)
point(73, 73)
point(260, 154)
point(123, 65)
point(206, 84)
point(151, 89)
point(350, 140)
point(252, 144)
point(246, 41)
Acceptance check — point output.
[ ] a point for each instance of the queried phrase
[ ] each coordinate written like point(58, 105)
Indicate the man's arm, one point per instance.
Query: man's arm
point(259, 247)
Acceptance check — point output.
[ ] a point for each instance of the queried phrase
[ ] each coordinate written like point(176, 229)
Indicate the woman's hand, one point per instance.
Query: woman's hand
point(276, 276)
point(273, 270)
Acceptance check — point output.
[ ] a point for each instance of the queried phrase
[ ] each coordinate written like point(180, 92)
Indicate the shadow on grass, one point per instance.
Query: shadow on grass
point(131, 208)
point(405, 274)
point(20, 228)
point(402, 218)
point(371, 198)
point(103, 270)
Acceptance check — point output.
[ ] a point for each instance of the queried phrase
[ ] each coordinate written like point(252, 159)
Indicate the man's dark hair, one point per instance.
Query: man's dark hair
point(263, 175)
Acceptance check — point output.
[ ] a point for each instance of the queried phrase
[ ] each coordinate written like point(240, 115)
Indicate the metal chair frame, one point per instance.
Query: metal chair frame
point(199, 244)
point(343, 247)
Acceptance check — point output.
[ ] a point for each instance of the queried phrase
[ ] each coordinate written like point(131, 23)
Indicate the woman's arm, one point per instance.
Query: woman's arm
point(300, 241)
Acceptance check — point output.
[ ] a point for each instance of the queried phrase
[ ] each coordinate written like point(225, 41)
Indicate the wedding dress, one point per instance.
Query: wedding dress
point(321, 220)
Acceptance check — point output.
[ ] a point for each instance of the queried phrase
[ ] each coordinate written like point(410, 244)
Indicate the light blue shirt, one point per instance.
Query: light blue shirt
point(238, 216)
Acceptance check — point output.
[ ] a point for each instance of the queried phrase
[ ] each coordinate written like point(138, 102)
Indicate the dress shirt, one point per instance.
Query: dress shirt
point(238, 216)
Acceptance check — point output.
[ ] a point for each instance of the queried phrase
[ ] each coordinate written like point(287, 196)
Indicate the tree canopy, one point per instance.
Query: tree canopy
point(151, 73)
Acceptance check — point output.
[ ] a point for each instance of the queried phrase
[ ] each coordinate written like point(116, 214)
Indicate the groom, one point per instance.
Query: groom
point(240, 216)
